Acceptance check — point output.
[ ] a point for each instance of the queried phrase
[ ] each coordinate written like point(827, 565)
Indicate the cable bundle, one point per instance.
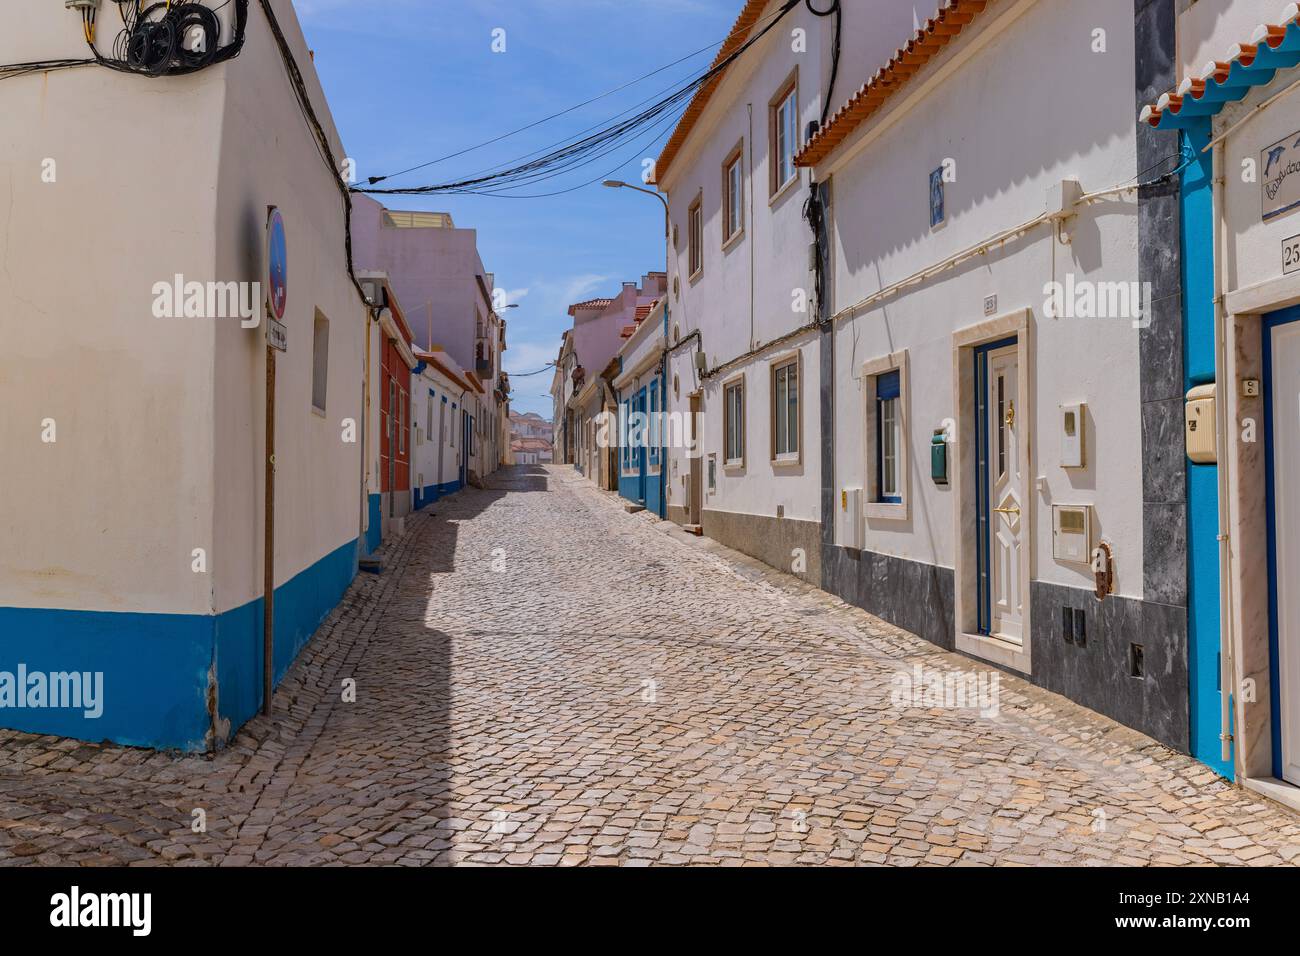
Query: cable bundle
point(168, 38)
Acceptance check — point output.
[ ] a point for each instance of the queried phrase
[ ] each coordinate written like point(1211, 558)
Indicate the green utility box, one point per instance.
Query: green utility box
point(939, 458)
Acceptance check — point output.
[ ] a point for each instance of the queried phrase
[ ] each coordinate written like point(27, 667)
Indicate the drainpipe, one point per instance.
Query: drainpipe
point(365, 416)
point(663, 404)
point(1227, 680)
point(750, 224)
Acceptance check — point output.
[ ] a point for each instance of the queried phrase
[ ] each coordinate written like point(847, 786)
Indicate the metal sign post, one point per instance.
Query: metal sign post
point(277, 340)
point(268, 546)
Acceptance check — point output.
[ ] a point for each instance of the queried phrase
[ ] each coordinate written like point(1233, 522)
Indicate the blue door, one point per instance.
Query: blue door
point(1282, 455)
point(641, 450)
point(464, 445)
point(992, 463)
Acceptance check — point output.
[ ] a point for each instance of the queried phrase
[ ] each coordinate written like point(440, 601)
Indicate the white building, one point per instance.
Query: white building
point(440, 391)
point(993, 446)
point(740, 289)
point(135, 503)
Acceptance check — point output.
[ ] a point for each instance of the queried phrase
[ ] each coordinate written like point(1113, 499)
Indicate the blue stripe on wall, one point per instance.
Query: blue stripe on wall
point(155, 669)
point(1203, 637)
point(156, 666)
point(301, 604)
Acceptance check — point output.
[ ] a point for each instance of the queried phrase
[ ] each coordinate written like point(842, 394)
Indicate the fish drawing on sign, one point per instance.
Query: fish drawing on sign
point(1274, 155)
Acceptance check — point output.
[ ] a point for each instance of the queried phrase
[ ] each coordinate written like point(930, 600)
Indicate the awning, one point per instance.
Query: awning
point(1272, 47)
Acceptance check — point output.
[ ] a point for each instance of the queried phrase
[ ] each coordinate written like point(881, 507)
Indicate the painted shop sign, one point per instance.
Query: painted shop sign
point(1280, 183)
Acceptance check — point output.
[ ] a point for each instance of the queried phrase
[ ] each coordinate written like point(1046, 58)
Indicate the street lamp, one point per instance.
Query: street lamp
point(619, 184)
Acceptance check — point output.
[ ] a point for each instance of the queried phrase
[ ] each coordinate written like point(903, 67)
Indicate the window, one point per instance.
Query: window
point(320, 362)
point(785, 410)
point(695, 236)
point(734, 439)
point(889, 421)
point(401, 424)
point(733, 196)
point(784, 120)
point(428, 422)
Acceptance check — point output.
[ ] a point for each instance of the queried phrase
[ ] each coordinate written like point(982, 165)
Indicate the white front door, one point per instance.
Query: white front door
point(1285, 388)
point(1006, 487)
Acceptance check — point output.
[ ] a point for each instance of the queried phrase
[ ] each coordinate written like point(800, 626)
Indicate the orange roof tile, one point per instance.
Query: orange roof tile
point(749, 15)
point(952, 17)
point(590, 304)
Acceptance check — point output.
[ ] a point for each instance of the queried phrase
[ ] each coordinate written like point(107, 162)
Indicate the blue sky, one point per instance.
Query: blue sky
point(413, 80)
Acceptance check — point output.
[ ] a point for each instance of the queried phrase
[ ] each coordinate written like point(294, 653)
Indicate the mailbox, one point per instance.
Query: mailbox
point(939, 457)
point(1200, 425)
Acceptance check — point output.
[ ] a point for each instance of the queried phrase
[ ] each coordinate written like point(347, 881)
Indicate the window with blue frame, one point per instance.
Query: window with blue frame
point(654, 421)
point(888, 439)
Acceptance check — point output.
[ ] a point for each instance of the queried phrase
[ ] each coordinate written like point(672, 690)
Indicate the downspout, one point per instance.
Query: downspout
point(750, 224)
point(663, 404)
point(1227, 681)
point(372, 315)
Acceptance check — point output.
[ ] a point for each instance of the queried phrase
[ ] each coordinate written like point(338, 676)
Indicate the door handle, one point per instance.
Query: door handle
point(1011, 415)
point(1007, 511)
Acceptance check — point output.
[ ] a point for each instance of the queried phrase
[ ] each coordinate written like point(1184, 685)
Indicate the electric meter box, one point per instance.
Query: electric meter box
point(1072, 533)
point(851, 518)
point(1072, 450)
point(1201, 431)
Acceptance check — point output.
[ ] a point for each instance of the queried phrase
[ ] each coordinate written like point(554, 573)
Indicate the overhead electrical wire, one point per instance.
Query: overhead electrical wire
point(373, 180)
point(559, 160)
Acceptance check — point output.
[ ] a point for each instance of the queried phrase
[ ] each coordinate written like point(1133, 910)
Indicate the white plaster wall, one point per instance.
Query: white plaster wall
point(267, 157)
point(744, 297)
point(1080, 126)
point(1255, 249)
point(105, 518)
point(426, 458)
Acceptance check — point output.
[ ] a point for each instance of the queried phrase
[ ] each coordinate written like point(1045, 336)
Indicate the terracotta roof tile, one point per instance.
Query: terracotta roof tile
point(590, 304)
point(948, 22)
point(1272, 46)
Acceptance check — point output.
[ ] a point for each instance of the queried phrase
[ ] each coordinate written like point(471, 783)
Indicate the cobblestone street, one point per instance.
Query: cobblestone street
point(543, 678)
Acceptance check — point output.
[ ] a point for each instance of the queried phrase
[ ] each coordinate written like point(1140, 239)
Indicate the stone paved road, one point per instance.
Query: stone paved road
point(545, 679)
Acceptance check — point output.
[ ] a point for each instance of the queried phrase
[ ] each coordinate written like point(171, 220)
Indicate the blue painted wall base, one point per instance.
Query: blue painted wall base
point(1203, 611)
point(160, 670)
point(430, 493)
